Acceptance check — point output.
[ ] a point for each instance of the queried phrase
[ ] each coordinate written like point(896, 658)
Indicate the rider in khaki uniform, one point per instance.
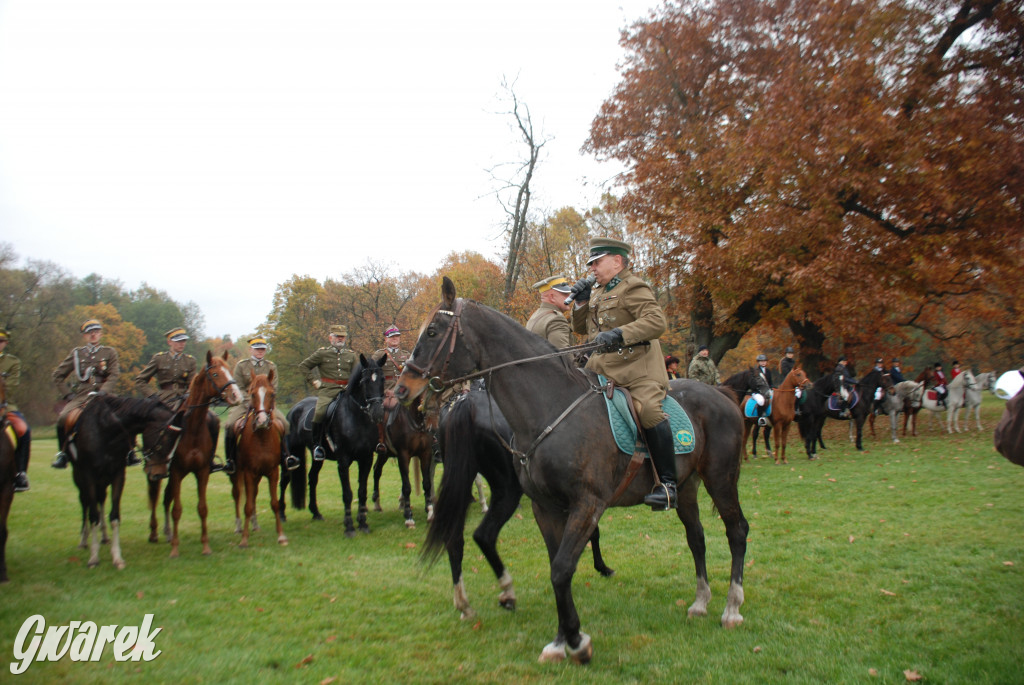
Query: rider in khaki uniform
point(92, 368)
point(549, 320)
point(10, 371)
point(173, 370)
point(622, 313)
point(243, 373)
point(391, 357)
point(328, 370)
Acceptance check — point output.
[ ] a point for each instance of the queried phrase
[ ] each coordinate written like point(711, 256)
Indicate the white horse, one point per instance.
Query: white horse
point(967, 394)
point(892, 404)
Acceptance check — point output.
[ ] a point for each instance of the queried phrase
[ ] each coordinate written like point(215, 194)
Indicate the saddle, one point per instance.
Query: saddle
point(624, 423)
point(750, 408)
point(834, 402)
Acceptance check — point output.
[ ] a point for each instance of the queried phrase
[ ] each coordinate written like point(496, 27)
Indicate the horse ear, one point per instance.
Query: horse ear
point(225, 355)
point(270, 376)
point(209, 357)
point(448, 293)
point(362, 360)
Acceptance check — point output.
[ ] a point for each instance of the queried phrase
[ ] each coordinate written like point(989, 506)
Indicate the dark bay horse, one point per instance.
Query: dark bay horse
point(816, 409)
point(351, 438)
point(914, 395)
point(571, 467)
point(259, 456)
point(473, 435)
point(106, 432)
point(407, 437)
point(7, 470)
point(194, 452)
point(744, 384)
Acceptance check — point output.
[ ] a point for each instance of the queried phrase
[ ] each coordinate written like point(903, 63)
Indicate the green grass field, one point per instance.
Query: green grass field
point(860, 567)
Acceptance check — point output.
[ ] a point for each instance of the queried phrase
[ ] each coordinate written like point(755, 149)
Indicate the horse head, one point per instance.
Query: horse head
point(367, 386)
point(797, 378)
point(261, 400)
point(432, 361)
point(215, 381)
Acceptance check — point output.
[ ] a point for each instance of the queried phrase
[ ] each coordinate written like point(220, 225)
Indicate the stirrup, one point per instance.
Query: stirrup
point(661, 498)
point(318, 453)
point(291, 462)
point(381, 448)
point(229, 467)
point(20, 482)
point(762, 421)
point(216, 465)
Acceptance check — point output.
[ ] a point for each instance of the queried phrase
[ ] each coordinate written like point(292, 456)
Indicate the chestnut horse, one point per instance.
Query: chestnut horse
point(194, 453)
point(565, 454)
point(407, 437)
point(7, 471)
point(784, 409)
point(259, 456)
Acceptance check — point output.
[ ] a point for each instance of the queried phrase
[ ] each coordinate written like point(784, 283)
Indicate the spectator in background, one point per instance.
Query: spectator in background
point(702, 367)
point(672, 367)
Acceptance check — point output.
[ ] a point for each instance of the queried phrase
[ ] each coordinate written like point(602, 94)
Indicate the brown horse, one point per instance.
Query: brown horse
point(7, 471)
point(913, 394)
point(407, 437)
point(784, 409)
point(259, 456)
point(194, 452)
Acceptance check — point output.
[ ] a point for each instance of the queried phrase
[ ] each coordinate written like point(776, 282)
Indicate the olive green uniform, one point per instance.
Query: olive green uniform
point(332, 366)
point(628, 303)
point(90, 369)
point(392, 360)
point(243, 374)
point(549, 323)
point(173, 373)
point(10, 369)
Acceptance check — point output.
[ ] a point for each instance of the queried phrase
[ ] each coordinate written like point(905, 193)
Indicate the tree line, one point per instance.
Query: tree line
point(842, 177)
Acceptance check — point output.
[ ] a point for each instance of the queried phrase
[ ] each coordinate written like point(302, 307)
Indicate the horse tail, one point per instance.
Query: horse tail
point(460, 468)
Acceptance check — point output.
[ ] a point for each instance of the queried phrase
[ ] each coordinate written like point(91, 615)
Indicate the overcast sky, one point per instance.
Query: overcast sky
point(302, 137)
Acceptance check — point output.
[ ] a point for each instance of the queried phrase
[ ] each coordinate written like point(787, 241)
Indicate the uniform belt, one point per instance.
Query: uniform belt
point(331, 380)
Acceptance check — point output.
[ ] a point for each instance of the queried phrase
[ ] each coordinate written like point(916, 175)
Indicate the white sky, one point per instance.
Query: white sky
point(303, 137)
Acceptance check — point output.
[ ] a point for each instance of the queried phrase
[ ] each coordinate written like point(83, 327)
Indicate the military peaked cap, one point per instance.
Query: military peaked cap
point(599, 247)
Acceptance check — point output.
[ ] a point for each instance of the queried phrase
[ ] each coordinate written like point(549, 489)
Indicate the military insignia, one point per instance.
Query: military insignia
point(684, 438)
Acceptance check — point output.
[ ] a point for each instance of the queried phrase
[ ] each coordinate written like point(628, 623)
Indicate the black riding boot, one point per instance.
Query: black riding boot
point(230, 447)
point(61, 459)
point(21, 462)
point(318, 441)
point(663, 454)
point(288, 461)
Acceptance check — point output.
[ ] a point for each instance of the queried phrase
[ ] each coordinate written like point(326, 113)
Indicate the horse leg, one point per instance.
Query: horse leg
point(768, 439)
point(426, 473)
point(236, 495)
point(153, 490)
point(893, 424)
point(275, 504)
point(168, 501)
point(860, 432)
point(251, 484)
point(725, 494)
point(6, 498)
point(403, 468)
point(362, 523)
point(689, 513)
point(174, 493)
point(595, 546)
point(202, 480)
point(346, 496)
point(314, 479)
point(285, 480)
point(481, 495)
point(566, 535)
point(746, 436)
point(505, 497)
point(780, 442)
point(378, 469)
point(116, 489)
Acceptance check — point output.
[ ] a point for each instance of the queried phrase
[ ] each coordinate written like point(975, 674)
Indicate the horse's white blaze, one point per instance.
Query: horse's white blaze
point(234, 394)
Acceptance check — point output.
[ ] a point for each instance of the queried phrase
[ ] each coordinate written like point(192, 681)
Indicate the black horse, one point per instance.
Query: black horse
point(816, 409)
point(104, 435)
point(473, 434)
point(743, 384)
point(8, 468)
point(566, 457)
point(351, 436)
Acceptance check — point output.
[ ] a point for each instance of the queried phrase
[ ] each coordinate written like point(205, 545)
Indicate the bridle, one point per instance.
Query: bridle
point(218, 391)
point(370, 400)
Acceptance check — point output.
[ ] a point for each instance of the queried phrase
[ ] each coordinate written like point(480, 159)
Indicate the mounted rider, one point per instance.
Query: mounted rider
point(172, 369)
point(764, 373)
point(10, 371)
point(843, 383)
point(328, 370)
point(548, 320)
point(93, 369)
point(940, 385)
point(245, 369)
point(895, 372)
point(623, 314)
point(786, 364)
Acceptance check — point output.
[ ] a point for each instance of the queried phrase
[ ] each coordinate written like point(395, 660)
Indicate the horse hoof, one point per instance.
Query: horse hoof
point(732, 621)
point(318, 517)
point(364, 529)
point(350, 533)
point(552, 653)
point(410, 523)
point(507, 604)
point(119, 564)
point(154, 538)
point(606, 572)
point(376, 506)
point(243, 545)
point(207, 551)
point(283, 541)
point(174, 554)
point(585, 652)
point(93, 564)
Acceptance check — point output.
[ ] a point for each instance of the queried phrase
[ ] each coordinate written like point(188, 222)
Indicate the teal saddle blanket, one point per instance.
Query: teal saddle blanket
point(625, 430)
point(750, 409)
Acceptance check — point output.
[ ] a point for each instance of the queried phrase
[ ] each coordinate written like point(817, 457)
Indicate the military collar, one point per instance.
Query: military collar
point(91, 349)
point(256, 361)
point(616, 279)
point(394, 350)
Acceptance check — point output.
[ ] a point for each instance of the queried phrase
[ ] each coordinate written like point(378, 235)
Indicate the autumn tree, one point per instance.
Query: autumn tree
point(848, 168)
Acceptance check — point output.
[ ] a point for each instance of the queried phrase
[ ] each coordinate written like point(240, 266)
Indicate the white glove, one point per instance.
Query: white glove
point(878, 394)
point(759, 398)
point(317, 383)
point(798, 392)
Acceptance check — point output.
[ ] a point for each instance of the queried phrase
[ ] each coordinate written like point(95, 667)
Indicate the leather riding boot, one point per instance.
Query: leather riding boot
point(61, 459)
point(290, 462)
point(21, 462)
point(229, 451)
point(663, 454)
point(318, 441)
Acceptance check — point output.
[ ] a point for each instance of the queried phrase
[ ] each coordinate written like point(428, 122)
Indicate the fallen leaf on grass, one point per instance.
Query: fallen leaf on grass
point(831, 480)
point(757, 649)
point(852, 538)
point(328, 681)
point(139, 595)
point(306, 661)
point(331, 638)
point(912, 675)
point(886, 592)
point(1007, 563)
point(478, 625)
point(410, 545)
point(872, 671)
